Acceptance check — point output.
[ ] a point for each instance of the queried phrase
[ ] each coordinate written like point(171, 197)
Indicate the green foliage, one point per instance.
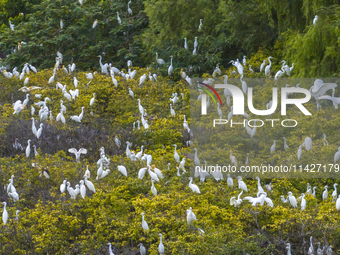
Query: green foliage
point(315, 52)
point(42, 32)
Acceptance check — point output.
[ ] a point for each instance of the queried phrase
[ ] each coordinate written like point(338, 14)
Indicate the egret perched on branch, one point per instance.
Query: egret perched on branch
point(185, 44)
point(145, 225)
point(4, 214)
point(337, 156)
point(241, 184)
point(80, 117)
point(142, 249)
point(89, 184)
point(171, 68)
point(292, 199)
point(129, 10)
point(160, 246)
point(193, 187)
point(308, 143)
point(176, 156)
point(110, 249)
point(230, 181)
point(325, 193)
point(262, 65)
point(118, 19)
point(77, 153)
point(237, 202)
point(267, 69)
point(153, 188)
point(190, 216)
point(122, 169)
point(28, 148)
point(94, 23)
point(159, 60)
point(63, 186)
point(92, 99)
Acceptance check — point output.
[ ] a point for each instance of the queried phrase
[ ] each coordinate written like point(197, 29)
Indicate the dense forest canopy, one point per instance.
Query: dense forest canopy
point(230, 29)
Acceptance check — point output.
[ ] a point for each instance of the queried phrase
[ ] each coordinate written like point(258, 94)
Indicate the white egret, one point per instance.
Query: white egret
point(237, 202)
point(159, 60)
point(325, 193)
point(39, 131)
point(284, 200)
point(80, 117)
point(152, 174)
point(17, 215)
point(190, 216)
point(182, 164)
point(153, 188)
point(267, 69)
point(337, 156)
point(311, 248)
point(28, 148)
point(313, 194)
point(14, 195)
point(193, 187)
point(172, 111)
point(142, 249)
point(337, 203)
point(34, 129)
point(105, 173)
point(141, 172)
point(259, 187)
point(63, 186)
point(142, 79)
point(241, 184)
point(262, 65)
point(171, 68)
point(71, 191)
point(285, 146)
point(77, 153)
point(315, 19)
point(94, 24)
point(269, 187)
point(260, 200)
point(335, 193)
point(89, 184)
point(131, 93)
point(176, 156)
point(230, 181)
point(292, 199)
point(129, 9)
point(145, 225)
point(186, 44)
point(139, 154)
point(272, 148)
point(303, 202)
point(82, 189)
point(118, 19)
point(233, 158)
point(288, 249)
point(100, 170)
point(308, 143)
point(157, 171)
point(160, 246)
point(122, 169)
point(92, 99)
point(110, 249)
point(4, 214)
